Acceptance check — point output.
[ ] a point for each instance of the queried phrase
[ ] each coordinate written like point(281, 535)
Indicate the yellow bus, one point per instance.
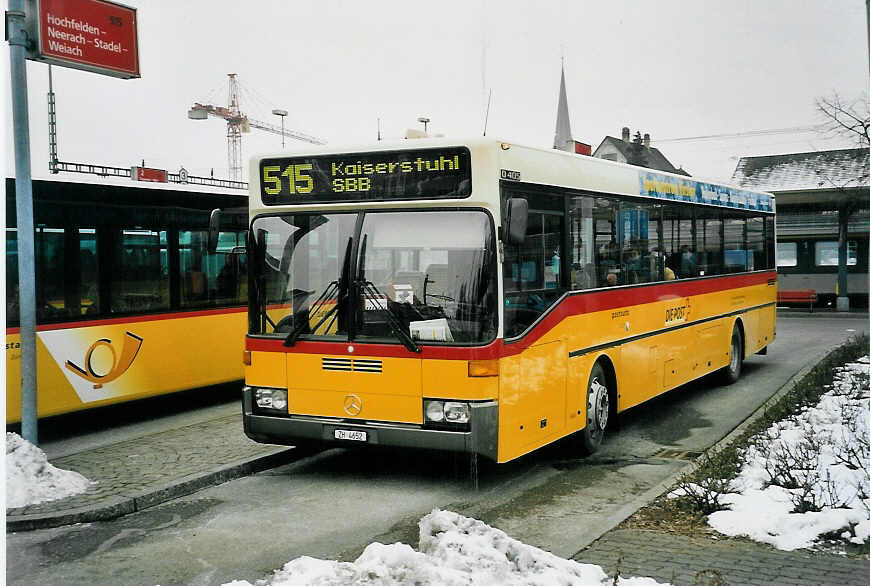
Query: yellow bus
point(129, 302)
point(485, 297)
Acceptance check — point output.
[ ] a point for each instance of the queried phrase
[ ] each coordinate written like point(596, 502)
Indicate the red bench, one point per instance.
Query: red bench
point(797, 296)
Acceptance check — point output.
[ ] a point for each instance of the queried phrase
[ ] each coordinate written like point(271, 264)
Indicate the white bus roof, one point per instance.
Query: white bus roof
point(503, 160)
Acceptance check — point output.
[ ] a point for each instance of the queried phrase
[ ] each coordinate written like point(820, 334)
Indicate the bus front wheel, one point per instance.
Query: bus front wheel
point(731, 372)
point(598, 410)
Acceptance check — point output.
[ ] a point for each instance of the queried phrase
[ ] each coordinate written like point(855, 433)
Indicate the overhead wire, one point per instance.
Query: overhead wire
point(212, 96)
point(746, 134)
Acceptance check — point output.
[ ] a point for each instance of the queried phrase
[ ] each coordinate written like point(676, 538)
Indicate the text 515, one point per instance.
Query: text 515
point(296, 178)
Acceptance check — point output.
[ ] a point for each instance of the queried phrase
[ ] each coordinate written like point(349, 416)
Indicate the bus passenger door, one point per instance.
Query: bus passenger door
point(532, 398)
point(533, 401)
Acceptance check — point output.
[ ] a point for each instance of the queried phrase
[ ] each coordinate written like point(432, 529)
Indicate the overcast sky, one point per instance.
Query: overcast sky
point(674, 69)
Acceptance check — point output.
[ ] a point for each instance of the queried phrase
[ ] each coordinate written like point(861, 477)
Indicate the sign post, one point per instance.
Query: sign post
point(17, 30)
point(94, 35)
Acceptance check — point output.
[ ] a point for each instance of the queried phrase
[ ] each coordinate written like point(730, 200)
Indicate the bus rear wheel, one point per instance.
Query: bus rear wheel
point(598, 411)
point(731, 372)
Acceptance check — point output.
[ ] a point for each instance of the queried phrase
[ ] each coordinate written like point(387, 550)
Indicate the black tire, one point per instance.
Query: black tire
point(598, 411)
point(732, 371)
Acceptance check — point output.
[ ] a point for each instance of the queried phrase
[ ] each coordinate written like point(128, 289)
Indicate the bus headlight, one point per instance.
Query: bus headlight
point(434, 411)
point(271, 399)
point(456, 412)
point(446, 412)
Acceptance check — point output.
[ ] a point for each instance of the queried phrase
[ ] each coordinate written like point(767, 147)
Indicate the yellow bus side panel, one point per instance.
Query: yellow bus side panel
point(532, 405)
point(102, 364)
point(542, 382)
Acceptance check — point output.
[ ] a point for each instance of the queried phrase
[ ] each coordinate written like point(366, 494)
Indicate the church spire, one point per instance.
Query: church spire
point(563, 139)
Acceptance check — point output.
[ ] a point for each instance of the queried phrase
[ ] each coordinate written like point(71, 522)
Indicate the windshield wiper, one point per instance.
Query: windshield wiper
point(330, 293)
point(375, 296)
point(334, 290)
point(369, 289)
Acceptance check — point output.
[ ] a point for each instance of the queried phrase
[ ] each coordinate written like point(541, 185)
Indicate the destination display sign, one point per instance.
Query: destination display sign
point(438, 173)
point(683, 189)
point(94, 35)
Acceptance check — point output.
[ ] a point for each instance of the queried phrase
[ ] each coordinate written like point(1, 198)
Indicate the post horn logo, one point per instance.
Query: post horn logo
point(130, 349)
point(352, 405)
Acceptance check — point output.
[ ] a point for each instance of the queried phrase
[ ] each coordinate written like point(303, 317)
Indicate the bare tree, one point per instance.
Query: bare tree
point(845, 118)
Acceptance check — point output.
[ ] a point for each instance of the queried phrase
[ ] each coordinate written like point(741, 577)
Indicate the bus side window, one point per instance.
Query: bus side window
point(678, 233)
point(211, 278)
point(142, 281)
point(734, 245)
point(637, 234)
point(709, 232)
point(533, 271)
point(66, 271)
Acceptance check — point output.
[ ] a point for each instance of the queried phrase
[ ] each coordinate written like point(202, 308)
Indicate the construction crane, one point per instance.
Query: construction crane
point(237, 123)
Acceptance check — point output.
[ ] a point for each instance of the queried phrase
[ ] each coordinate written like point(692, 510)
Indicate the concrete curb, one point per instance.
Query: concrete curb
point(659, 489)
point(117, 506)
point(805, 313)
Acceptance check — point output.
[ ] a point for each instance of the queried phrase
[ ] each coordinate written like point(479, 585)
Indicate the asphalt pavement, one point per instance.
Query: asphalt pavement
point(134, 474)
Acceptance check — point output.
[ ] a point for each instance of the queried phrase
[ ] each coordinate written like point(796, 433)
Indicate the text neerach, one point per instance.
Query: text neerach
point(71, 43)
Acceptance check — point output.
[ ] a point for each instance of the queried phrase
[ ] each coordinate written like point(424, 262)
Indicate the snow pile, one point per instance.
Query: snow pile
point(454, 550)
point(808, 475)
point(30, 479)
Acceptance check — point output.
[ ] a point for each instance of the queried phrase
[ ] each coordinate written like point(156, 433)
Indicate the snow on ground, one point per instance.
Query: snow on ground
point(809, 474)
point(454, 550)
point(30, 479)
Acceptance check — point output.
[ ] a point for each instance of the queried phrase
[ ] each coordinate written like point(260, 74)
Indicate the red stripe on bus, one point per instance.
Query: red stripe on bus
point(593, 301)
point(491, 350)
point(131, 319)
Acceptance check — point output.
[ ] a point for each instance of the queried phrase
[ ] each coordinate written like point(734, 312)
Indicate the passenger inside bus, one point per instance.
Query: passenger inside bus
point(634, 269)
point(583, 277)
point(609, 264)
point(688, 266)
point(227, 279)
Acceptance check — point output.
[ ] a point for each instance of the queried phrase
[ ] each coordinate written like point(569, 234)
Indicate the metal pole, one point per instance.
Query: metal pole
point(843, 259)
point(52, 126)
point(24, 211)
point(281, 113)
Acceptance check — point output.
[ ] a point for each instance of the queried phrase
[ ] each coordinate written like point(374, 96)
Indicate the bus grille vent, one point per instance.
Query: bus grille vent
point(352, 365)
point(361, 365)
point(342, 364)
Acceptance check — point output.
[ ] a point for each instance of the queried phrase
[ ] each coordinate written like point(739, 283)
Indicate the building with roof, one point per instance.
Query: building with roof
point(823, 219)
point(635, 152)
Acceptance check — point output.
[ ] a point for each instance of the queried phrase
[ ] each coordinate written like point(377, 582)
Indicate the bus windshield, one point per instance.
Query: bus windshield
point(424, 275)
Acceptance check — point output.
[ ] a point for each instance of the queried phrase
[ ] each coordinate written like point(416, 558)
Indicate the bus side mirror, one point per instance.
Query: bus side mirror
point(516, 220)
point(214, 228)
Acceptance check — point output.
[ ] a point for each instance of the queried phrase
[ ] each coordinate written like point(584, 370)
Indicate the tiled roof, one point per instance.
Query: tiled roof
point(655, 158)
point(805, 171)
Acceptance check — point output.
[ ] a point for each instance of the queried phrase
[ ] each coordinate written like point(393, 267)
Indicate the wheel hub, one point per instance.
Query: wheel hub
point(600, 403)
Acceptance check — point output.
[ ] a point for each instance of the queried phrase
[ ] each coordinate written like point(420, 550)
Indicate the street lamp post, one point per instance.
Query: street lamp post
point(281, 113)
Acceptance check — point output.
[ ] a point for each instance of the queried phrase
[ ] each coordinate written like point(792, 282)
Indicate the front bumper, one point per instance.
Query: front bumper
point(481, 438)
